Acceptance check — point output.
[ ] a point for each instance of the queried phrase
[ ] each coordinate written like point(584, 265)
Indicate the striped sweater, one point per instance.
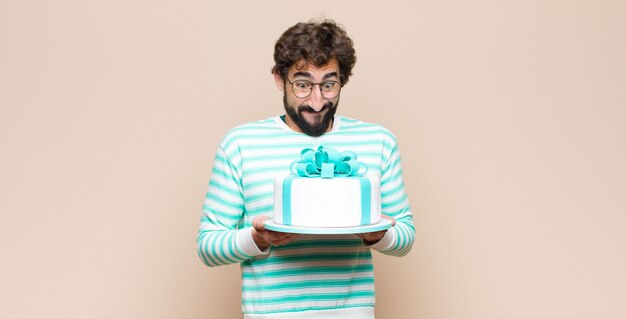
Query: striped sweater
point(327, 275)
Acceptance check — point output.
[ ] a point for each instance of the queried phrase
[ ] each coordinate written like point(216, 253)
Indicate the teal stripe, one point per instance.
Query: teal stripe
point(267, 170)
point(273, 157)
point(293, 157)
point(399, 212)
point(220, 172)
point(260, 196)
point(310, 297)
point(255, 135)
point(394, 161)
point(235, 153)
point(311, 284)
point(255, 132)
point(387, 207)
point(312, 308)
point(205, 219)
point(221, 158)
point(259, 183)
point(290, 159)
point(392, 203)
point(220, 215)
point(297, 147)
point(216, 198)
point(357, 131)
point(286, 204)
point(355, 125)
point(322, 243)
point(260, 210)
point(364, 255)
point(255, 126)
point(390, 149)
point(308, 271)
point(391, 178)
point(352, 144)
point(366, 200)
point(359, 124)
point(224, 188)
point(351, 120)
point(392, 191)
point(223, 162)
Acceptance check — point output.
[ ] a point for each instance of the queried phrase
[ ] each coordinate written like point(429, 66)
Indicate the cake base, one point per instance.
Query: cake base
point(382, 225)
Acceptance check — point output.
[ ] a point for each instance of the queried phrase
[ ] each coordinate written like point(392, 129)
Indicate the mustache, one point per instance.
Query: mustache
point(307, 108)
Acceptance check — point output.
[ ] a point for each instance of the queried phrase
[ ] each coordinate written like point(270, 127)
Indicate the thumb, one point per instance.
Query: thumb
point(391, 219)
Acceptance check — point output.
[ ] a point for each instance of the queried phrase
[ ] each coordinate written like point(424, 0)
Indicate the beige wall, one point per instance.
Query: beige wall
point(511, 118)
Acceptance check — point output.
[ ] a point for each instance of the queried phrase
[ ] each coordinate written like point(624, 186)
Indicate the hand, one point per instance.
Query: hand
point(264, 238)
point(374, 237)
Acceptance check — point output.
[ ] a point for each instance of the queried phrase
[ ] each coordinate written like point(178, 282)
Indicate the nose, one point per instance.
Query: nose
point(316, 99)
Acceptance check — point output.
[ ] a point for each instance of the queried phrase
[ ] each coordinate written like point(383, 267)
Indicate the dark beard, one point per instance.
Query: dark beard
point(308, 129)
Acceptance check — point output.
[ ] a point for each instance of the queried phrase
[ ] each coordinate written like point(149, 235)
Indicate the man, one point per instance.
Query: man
point(291, 275)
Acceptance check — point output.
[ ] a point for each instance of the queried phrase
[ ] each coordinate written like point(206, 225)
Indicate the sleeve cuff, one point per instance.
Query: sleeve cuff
point(247, 245)
point(386, 242)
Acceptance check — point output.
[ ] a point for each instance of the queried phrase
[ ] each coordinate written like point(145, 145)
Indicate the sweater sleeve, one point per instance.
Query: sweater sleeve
point(220, 241)
point(399, 239)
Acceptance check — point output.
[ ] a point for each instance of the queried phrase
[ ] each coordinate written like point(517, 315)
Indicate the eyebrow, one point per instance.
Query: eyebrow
point(308, 75)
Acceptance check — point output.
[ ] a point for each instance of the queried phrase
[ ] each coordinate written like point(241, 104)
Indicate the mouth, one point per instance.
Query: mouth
point(313, 116)
point(307, 109)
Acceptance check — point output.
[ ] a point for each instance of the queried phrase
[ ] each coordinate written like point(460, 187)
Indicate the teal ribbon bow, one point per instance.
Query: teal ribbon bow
point(326, 162)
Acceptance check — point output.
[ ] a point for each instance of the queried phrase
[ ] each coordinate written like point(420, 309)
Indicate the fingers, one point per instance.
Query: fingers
point(282, 238)
point(372, 236)
point(259, 222)
point(270, 237)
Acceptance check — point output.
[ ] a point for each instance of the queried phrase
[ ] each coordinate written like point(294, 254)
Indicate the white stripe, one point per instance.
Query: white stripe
point(325, 303)
point(305, 291)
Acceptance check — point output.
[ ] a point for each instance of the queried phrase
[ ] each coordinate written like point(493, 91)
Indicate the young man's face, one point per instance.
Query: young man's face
point(313, 114)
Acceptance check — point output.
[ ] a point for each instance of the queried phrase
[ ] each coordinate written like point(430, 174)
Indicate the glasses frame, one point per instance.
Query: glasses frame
point(313, 84)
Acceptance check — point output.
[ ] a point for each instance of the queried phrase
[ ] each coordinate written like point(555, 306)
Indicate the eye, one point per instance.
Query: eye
point(329, 85)
point(302, 85)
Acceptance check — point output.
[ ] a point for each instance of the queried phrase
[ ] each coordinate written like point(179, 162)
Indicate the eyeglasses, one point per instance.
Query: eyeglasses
point(303, 88)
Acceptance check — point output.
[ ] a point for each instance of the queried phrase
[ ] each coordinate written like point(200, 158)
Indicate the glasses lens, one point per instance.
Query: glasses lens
point(301, 88)
point(330, 89)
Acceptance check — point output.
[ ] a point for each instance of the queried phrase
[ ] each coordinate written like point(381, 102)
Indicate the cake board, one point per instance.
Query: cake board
point(382, 225)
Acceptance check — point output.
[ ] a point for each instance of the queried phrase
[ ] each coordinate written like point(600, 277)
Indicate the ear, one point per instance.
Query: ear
point(280, 83)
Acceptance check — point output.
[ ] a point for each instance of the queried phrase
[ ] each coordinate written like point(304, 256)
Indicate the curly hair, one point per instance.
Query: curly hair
point(317, 43)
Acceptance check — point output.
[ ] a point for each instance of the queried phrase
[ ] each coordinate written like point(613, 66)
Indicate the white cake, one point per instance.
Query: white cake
point(327, 202)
